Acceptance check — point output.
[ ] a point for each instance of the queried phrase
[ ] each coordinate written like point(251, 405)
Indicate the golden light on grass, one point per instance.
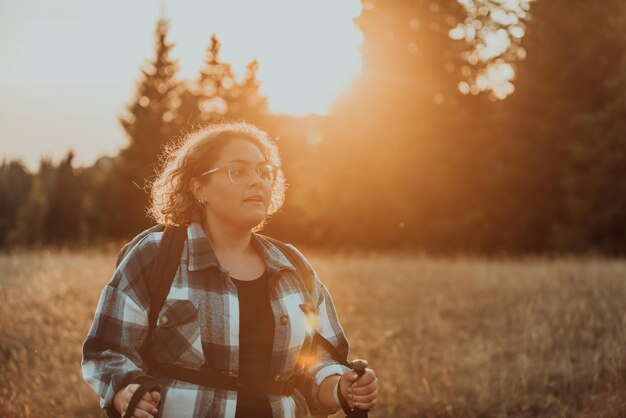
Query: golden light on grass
point(447, 337)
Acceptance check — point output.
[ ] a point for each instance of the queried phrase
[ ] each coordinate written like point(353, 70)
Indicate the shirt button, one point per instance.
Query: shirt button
point(232, 373)
point(164, 320)
point(284, 319)
point(277, 376)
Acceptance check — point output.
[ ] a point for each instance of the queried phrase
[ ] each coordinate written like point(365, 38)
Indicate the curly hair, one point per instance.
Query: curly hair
point(173, 203)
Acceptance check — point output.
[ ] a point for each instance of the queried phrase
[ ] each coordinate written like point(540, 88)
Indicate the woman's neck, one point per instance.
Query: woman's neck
point(226, 239)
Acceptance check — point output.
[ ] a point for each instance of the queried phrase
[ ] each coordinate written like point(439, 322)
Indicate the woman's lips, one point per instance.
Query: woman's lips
point(255, 200)
point(257, 197)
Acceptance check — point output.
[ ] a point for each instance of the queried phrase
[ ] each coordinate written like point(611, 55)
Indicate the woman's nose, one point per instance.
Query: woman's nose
point(254, 179)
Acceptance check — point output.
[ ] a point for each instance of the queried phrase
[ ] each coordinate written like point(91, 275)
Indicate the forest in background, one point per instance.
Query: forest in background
point(420, 152)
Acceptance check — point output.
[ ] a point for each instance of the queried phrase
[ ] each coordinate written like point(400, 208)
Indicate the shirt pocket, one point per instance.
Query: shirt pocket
point(176, 337)
point(177, 312)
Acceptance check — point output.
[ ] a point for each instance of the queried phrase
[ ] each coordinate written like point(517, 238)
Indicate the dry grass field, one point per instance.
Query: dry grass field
point(454, 337)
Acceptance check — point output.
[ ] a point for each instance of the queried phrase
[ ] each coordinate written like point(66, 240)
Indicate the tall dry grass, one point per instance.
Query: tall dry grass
point(446, 337)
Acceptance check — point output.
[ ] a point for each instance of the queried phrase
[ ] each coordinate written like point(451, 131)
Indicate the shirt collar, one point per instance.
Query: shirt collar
point(202, 256)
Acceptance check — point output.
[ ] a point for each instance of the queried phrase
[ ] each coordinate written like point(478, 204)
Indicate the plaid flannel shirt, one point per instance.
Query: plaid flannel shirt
point(198, 327)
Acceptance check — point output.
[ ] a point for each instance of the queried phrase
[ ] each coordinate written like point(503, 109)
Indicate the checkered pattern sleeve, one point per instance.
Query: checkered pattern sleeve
point(329, 328)
point(111, 358)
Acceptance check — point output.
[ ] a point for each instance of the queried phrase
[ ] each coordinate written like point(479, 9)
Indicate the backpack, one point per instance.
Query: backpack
point(160, 279)
point(166, 262)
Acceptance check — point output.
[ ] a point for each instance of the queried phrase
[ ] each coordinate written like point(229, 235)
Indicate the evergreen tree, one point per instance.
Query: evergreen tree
point(148, 126)
point(29, 228)
point(218, 94)
point(521, 152)
point(593, 180)
point(216, 85)
point(247, 102)
point(147, 122)
point(103, 215)
point(15, 185)
point(187, 118)
point(62, 223)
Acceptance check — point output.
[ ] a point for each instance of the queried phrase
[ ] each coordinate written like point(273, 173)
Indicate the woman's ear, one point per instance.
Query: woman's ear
point(195, 186)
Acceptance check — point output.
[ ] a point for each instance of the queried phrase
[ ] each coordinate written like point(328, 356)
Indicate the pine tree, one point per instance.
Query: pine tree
point(215, 84)
point(595, 151)
point(149, 125)
point(149, 115)
point(220, 96)
point(29, 228)
point(62, 222)
point(15, 185)
point(102, 213)
point(247, 102)
point(187, 118)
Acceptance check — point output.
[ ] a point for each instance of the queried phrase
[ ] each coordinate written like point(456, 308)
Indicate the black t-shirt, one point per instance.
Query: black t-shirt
point(256, 339)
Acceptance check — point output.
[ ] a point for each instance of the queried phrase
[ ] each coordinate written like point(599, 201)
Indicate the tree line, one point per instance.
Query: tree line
point(420, 152)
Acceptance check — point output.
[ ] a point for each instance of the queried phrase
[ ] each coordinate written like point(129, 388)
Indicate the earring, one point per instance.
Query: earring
point(200, 202)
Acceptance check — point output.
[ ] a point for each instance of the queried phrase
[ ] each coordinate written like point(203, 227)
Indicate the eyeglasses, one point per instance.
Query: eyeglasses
point(240, 173)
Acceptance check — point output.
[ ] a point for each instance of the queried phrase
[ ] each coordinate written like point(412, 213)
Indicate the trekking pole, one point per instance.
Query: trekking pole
point(358, 366)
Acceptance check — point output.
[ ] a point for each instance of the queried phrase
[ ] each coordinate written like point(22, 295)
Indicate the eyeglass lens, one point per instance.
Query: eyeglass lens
point(242, 173)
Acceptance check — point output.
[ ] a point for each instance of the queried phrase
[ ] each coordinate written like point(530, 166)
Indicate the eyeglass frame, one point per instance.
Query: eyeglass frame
point(230, 177)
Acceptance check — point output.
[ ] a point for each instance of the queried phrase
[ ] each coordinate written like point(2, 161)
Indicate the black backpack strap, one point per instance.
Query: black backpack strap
point(146, 384)
point(335, 354)
point(164, 269)
point(132, 243)
point(158, 284)
point(297, 263)
point(207, 377)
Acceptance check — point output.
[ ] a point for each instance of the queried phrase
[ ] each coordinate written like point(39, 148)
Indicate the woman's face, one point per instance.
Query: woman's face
point(231, 203)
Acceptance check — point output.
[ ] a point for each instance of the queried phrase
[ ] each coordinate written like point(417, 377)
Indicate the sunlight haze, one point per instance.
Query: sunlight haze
point(69, 68)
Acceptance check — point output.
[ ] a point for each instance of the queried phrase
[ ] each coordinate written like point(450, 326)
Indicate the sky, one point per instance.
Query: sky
point(69, 67)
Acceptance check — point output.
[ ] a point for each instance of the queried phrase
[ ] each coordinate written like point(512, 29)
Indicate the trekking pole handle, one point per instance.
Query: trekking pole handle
point(359, 366)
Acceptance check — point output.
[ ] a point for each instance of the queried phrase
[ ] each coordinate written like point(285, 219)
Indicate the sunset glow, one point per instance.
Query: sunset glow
point(489, 40)
point(73, 66)
point(307, 50)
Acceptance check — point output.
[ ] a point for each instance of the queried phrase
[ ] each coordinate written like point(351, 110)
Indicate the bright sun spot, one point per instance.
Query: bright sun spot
point(488, 41)
point(307, 50)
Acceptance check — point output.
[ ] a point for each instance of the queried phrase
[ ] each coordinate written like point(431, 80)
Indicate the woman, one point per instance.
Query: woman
point(233, 306)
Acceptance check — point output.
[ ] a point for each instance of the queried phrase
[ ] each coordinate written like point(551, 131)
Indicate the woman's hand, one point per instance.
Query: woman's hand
point(147, 406)
point(362, 393)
